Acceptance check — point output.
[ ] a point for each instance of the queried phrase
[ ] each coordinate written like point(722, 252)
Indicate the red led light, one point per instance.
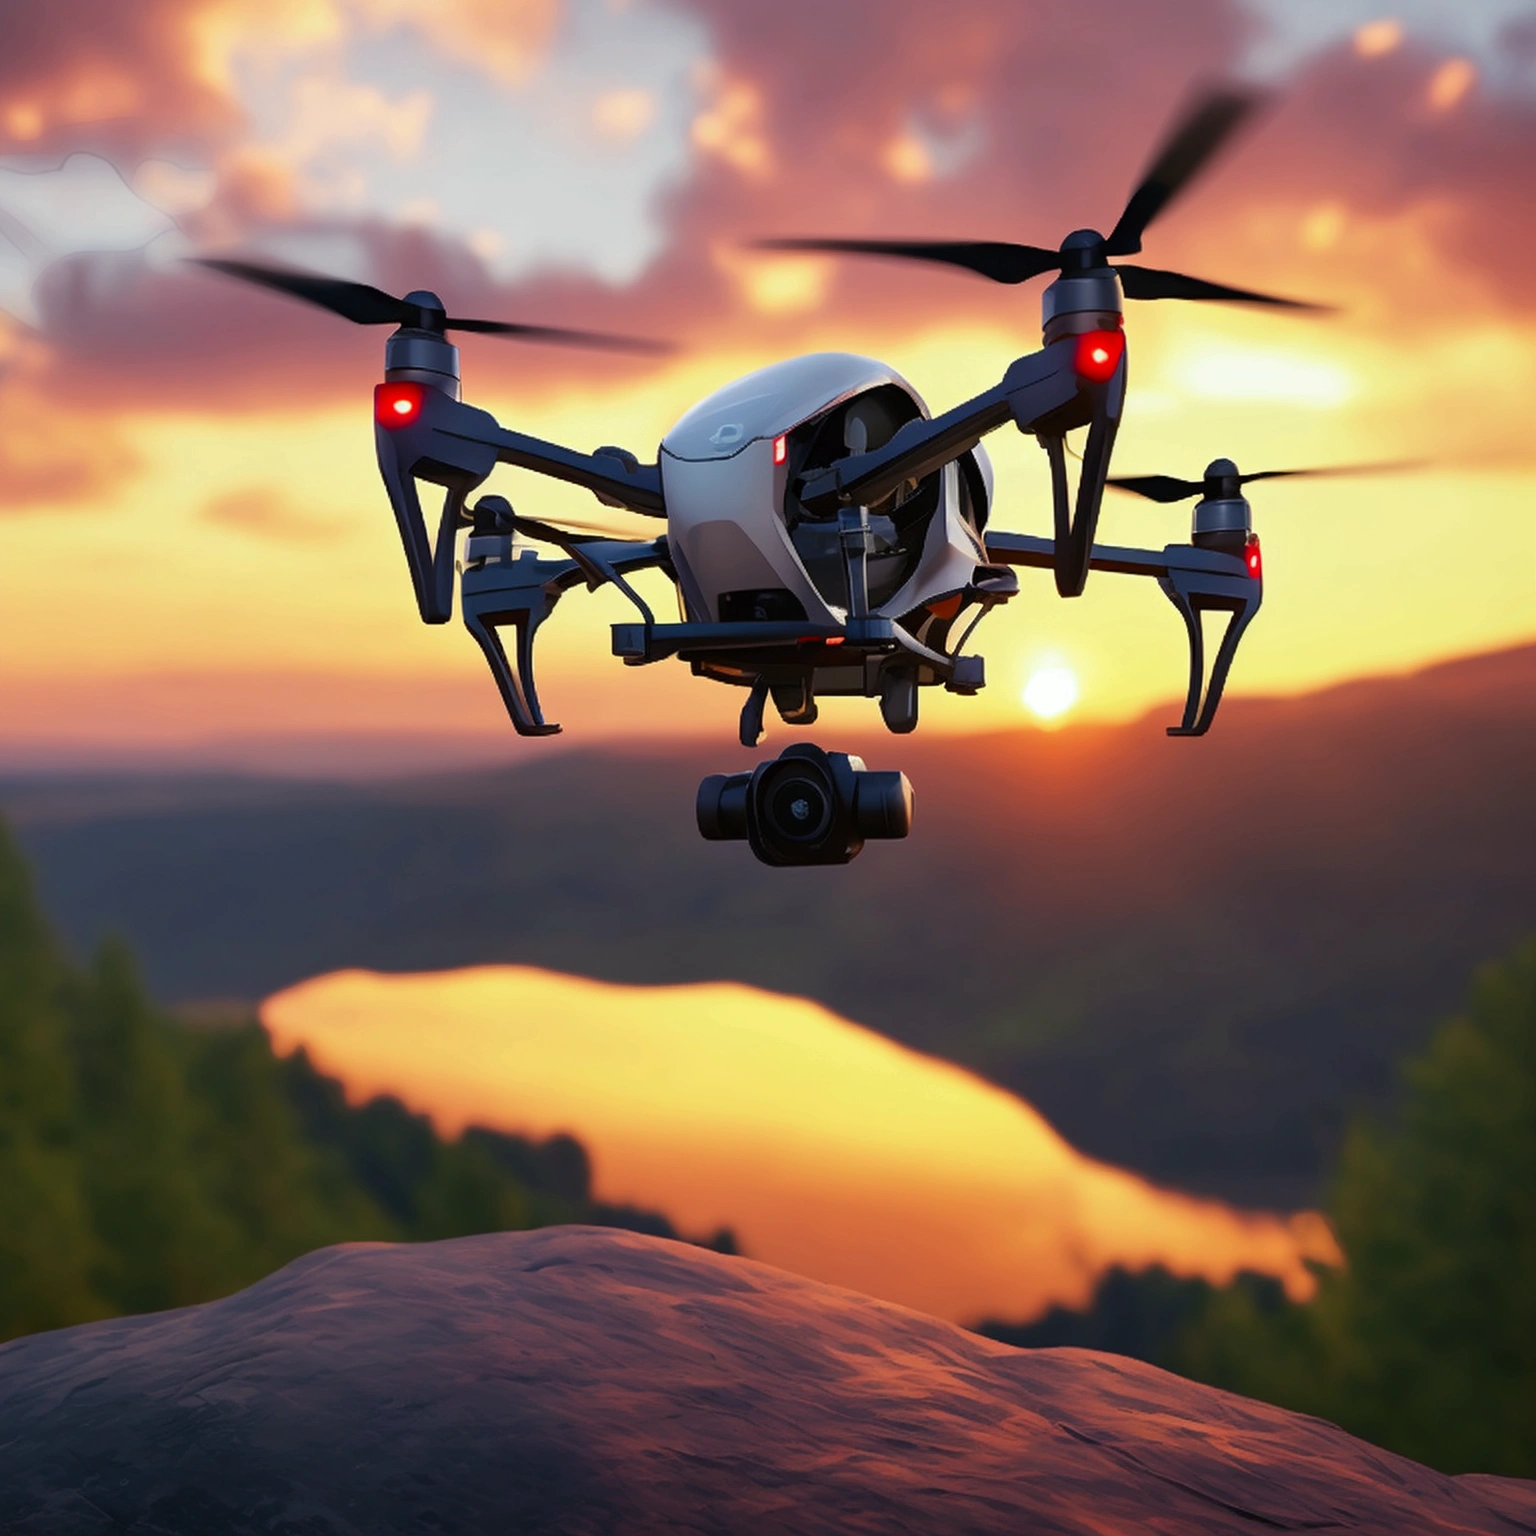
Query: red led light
point(1252, 558)
point(398, 405)
point(1099, 354)
point(780, 448)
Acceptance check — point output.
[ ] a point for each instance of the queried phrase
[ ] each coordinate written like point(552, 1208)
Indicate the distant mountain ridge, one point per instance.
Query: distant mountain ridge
point(1198, 959)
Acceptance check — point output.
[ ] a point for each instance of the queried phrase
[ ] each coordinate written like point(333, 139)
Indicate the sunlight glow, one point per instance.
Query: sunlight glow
point(830, 1150)
point(1225, 372)
point(1378, 37)
point(1450, 83)
point(1051, 691)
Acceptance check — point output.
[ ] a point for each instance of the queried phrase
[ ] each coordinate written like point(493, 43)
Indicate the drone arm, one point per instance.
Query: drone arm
point(1035, 389)
point(424, 434)
point(1195, 581)
point(616, 478)
point(507, 586)
point(1026, 549)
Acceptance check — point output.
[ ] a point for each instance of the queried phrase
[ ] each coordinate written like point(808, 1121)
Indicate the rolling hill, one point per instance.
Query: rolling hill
point(1198, 959)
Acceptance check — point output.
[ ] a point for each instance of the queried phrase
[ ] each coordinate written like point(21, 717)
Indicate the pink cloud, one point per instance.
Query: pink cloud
point(985, 120)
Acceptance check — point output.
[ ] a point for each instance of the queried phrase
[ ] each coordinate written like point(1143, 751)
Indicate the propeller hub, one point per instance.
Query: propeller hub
point(1082, 251)
point(1222, 480)
point(424, 311)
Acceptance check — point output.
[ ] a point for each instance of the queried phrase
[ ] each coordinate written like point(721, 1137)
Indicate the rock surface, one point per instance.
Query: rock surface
point(581, 1380)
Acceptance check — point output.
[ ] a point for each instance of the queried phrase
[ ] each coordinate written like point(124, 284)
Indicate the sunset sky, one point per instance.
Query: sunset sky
point(194, 545)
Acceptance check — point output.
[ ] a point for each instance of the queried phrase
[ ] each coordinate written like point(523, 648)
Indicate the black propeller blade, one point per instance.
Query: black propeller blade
point(997, 259)
point(1195, 139)
point(1149, 283)
point(1165, 488)
point(365, 305)
point(1185, 152)
point(1162, 488)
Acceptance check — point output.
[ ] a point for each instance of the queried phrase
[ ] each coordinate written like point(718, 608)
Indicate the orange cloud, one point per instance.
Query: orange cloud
point(507, 38)
point(51, 457)
point(96, 74)
point(1450, 83)
point(1378, 37)
point(731, 127)
point(270, 512)
point(624, 114)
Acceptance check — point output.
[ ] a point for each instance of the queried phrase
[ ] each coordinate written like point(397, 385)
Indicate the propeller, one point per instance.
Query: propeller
point(1222, 479)
point(366, 305)
point(1197, 136)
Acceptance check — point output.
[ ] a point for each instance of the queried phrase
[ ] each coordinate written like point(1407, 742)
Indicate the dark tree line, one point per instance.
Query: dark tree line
point(149, 1163)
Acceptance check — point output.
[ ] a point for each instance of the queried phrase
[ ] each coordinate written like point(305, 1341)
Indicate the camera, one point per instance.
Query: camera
point(805, 806)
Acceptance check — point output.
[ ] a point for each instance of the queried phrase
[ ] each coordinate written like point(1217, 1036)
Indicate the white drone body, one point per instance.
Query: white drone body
point(742, 546)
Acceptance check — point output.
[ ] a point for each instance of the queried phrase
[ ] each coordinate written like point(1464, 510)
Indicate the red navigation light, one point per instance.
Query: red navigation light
point(1252, 558)
point(398, 405)
point(780, 448)
point(1099, 354)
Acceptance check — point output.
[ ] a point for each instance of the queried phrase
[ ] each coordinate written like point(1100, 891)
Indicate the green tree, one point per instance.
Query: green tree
point(162, 1242)
point(1425, 1341)
point(47, 1249)
point(283, 1195)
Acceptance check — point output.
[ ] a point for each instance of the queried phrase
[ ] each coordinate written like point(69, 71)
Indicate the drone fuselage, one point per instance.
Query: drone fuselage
point(743, 548)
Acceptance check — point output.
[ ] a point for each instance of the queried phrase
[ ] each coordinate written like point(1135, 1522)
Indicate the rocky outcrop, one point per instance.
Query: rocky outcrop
point(581, 1380)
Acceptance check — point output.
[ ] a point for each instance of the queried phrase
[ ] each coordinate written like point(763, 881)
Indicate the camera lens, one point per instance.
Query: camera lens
point(799, 808)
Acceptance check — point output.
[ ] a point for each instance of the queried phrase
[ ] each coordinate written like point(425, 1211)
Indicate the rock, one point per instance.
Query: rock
point(583, 1380)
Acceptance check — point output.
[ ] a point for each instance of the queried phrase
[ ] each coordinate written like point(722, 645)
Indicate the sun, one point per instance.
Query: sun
point(1051, 691)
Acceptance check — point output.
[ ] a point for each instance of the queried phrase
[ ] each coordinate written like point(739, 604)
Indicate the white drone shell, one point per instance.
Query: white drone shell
point(725, 494)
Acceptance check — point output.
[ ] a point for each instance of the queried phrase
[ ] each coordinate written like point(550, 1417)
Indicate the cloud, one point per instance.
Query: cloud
point(508, 39)
point(269, 512)
point(1368, 184)
point(52, 457)
point(102, 76)
point(623, 114)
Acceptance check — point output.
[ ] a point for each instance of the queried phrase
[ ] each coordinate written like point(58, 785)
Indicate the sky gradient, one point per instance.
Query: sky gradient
point(196, 555)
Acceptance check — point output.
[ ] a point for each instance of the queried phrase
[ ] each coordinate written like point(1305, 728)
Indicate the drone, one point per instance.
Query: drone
point(826, 535)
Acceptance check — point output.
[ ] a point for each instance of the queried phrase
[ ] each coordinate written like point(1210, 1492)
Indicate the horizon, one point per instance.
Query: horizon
point(384, 754)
